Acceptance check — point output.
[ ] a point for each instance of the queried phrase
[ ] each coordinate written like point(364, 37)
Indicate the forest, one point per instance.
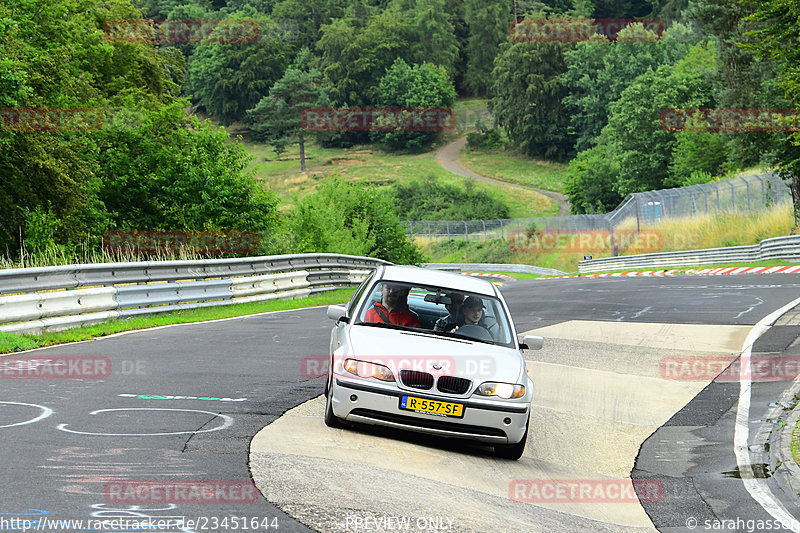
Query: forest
point(154, 161)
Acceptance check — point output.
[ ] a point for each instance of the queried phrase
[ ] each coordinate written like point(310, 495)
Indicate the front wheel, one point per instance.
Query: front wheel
point(331, 420)
point(513, 451)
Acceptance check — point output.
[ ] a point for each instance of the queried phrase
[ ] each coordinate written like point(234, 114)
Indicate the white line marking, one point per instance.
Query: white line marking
point(757, 488)
point(228, 422)
point(46, 411)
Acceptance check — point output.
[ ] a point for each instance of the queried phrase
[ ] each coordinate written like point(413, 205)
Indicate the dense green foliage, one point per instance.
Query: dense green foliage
point(429, 199)
point(153, 166)
point(420, 86)
point(351, 218)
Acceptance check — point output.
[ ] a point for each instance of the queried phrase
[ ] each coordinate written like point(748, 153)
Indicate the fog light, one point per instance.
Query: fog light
point(353, 398)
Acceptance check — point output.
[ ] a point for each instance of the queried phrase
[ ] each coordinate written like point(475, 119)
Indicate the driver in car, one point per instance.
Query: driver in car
point(393, 307)
point(474, 316)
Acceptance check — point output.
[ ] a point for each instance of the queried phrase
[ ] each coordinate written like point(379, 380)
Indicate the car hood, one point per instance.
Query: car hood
point(418, 351)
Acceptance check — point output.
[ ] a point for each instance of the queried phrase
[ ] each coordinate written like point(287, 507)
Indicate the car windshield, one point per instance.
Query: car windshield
point(441, 311)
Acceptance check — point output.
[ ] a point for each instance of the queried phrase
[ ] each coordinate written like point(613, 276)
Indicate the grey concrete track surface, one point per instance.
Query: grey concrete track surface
point(250, 371)
point(602, 389)
point(447, 157)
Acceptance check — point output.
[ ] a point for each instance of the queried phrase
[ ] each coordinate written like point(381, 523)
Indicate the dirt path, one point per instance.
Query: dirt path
point(447, 157)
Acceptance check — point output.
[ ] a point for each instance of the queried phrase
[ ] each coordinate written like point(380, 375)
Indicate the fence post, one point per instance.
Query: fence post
point(747, 185)
point(484, 229)
point(466, 230)
point(733, 197)
point(501, 228)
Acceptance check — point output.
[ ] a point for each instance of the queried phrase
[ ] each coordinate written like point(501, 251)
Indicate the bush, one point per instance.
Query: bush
point(488, 140)
point(429, 199)
point(591, 181)
point(350, 218)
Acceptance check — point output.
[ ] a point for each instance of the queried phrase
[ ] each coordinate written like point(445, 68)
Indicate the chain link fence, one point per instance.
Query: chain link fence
point(743, 194)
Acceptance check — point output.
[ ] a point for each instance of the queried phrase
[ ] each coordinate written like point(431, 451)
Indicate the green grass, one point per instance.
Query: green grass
point(512, 167)
point(371, 164)
point(10, 342)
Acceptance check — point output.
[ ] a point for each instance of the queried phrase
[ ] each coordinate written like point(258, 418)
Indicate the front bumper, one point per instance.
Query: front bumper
point(483, 421)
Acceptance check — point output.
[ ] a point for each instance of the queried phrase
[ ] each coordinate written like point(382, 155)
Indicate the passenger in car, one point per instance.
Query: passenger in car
point(455, 317)
point(393, 307)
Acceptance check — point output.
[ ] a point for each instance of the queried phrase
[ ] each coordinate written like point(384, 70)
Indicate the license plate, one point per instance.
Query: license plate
point(432, 407)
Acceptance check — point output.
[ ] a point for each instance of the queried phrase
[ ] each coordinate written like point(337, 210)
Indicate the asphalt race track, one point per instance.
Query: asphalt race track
point(188, 403)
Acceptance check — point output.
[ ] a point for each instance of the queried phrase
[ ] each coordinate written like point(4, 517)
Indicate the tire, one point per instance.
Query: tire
point(513, 451)
point(331, 420)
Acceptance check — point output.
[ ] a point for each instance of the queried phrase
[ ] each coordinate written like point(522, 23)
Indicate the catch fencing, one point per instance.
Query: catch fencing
point(35, 300)
point(743, 194)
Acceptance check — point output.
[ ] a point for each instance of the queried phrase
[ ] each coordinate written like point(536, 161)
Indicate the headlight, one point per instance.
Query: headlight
point(502, 390)
point(364, 369)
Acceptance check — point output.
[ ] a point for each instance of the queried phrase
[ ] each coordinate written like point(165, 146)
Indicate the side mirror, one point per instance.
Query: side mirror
point(337, 312)
point(532, 342)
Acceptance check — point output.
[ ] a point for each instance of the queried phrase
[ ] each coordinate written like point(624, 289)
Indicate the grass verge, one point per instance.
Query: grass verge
point(512, 167)
point(12, 342)
point(371, 164)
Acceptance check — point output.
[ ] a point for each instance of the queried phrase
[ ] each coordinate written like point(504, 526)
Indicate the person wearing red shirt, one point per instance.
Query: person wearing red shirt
point(393, 307)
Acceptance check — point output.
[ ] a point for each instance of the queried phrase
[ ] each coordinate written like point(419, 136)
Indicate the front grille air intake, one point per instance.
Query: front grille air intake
point(416, 379)
point(453, 385)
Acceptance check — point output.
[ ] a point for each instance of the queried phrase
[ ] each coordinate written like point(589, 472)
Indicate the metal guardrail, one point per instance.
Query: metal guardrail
point(34, 300)
point(785, 248)
point(496, 267)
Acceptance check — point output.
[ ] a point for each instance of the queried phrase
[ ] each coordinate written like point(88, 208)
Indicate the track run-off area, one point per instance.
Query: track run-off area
point(628, 431)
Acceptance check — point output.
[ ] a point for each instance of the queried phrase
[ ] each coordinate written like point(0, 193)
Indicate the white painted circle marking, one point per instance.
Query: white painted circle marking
point(46, 411)
point(228, 421)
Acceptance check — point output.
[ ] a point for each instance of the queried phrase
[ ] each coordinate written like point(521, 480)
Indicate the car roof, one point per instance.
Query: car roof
point(438, 278)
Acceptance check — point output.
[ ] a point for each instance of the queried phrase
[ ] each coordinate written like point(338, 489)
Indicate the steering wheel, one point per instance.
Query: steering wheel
point(476, 332)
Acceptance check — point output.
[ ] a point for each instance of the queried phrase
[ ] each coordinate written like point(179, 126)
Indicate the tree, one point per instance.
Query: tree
point(642, 146)
point(775, 34)
point(277, 117)
point(527, 98)
point(228, 79)
point(54, 54)
point(598, 71)
point(356, 54)
point(436, 40)
point(488, 23)
point(419, 86)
